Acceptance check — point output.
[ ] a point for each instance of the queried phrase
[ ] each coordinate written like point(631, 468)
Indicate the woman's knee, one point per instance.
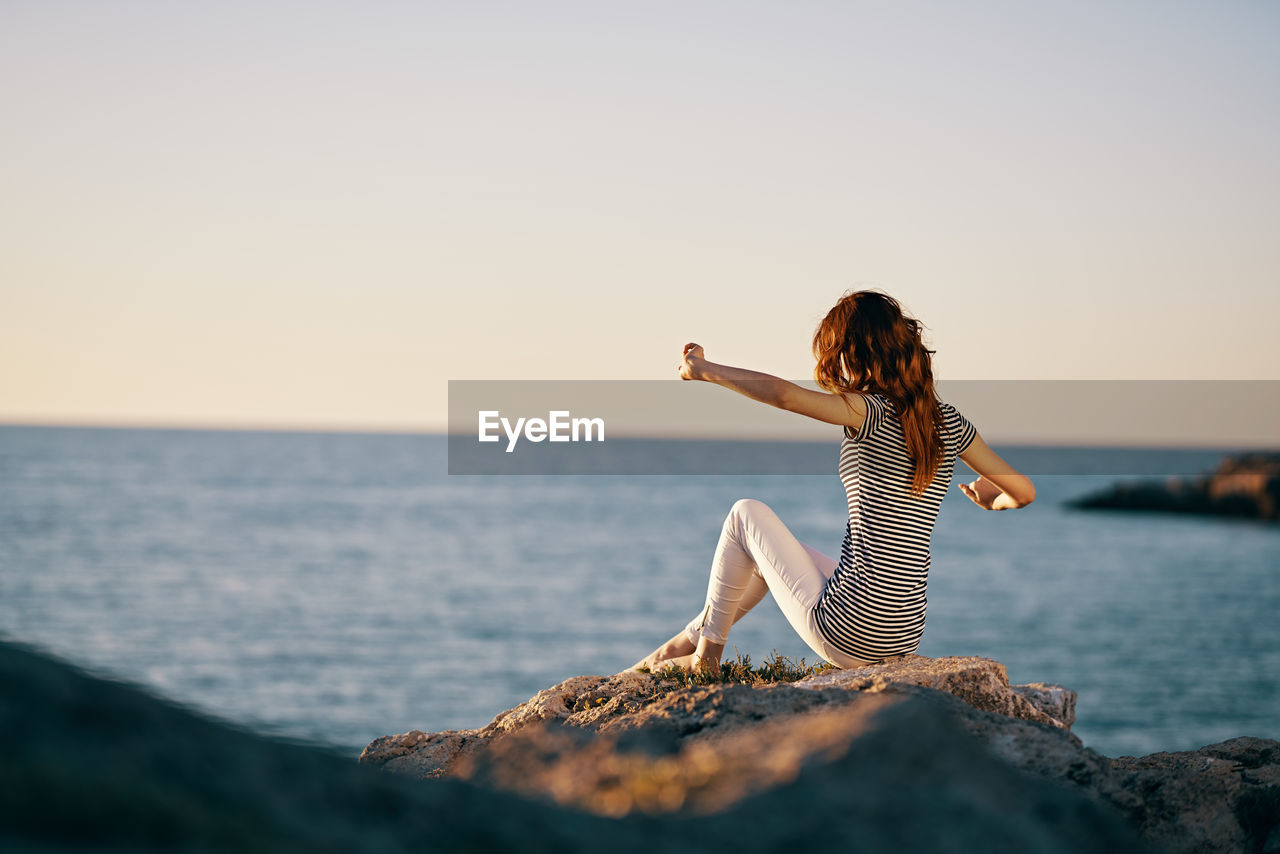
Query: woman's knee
point(750, 513)
point(745, 507)
point(747, 514)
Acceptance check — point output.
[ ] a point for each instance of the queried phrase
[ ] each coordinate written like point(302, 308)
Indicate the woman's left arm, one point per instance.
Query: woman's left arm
point(850, 411)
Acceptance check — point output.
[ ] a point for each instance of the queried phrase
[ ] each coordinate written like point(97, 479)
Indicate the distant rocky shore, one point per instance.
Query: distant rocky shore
point(913, 755)
point(916, 753)
point(1242, 485)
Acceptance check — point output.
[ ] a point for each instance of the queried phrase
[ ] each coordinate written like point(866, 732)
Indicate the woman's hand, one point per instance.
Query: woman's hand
point(691, 364)
point(766, 388)
point(987, 495)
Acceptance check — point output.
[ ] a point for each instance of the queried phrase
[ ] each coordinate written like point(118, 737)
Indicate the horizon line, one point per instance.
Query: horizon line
point(338, 428)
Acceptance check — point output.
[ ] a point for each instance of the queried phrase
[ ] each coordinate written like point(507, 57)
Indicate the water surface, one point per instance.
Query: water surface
point(339, 587)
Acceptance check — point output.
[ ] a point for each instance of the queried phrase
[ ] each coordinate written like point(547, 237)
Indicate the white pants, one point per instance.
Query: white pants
point(756, 555)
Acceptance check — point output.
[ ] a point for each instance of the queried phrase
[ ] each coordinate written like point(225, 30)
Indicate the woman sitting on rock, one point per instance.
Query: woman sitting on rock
point(896, 460)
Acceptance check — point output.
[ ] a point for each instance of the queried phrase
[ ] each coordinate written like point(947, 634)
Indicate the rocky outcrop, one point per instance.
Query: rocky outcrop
point(869, 764)
point(94, 765)
point(1224, 797)
point(1242, 485)
point(894, 770)
point(636, 700)
point(862, 744)
point(980, 682)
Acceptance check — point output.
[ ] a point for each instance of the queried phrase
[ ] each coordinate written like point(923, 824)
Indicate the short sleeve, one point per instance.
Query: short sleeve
point(875, 415)
point(959, 428)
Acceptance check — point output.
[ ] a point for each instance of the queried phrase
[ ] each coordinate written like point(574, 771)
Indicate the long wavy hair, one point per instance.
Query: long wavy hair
point(866, 344)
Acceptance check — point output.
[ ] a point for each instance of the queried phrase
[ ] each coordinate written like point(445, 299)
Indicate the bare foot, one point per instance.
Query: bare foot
point(678, 645)
point(646, 663)
point(681, 662)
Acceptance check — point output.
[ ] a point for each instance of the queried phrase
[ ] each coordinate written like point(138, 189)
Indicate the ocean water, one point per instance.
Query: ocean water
point(339, 587)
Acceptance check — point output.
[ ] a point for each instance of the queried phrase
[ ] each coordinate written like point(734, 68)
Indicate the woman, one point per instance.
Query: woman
point(897, 457)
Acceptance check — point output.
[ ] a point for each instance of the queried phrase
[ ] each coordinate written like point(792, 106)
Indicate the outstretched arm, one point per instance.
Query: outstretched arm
point(998, 487)
point(848, 410)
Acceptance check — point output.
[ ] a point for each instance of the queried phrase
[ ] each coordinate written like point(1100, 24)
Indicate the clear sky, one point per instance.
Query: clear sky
point(316, 213)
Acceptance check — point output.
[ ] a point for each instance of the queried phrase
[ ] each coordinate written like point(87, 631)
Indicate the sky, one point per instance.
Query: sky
point(317, 214)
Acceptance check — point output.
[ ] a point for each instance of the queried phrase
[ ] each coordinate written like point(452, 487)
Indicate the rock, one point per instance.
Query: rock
point(1242, 485)
point(723, 743)
point(585, 701)
point(631, 700)
point(908, 738)
point(1058, 703)
point(981, 682)
point(1223, 797)
point(889, 770)
point(95, 765)
point(91, 764)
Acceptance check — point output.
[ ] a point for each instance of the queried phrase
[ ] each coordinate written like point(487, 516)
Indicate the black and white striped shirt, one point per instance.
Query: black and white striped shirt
point(874, 605)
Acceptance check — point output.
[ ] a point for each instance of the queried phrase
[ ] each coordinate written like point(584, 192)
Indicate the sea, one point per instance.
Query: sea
point(336, 587)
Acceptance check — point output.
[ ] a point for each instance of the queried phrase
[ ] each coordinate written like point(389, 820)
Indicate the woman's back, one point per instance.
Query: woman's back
point(874, 606)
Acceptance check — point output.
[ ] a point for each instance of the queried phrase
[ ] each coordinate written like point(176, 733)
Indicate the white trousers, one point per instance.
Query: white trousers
point(756, 555)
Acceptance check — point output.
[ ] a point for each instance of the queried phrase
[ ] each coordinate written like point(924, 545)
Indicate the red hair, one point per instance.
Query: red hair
point(866, 344)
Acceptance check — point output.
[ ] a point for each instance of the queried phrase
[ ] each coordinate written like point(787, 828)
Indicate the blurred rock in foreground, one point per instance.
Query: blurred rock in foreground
point(1242, 485)
point(637, 701)
point(916, 753)
point(862, 761)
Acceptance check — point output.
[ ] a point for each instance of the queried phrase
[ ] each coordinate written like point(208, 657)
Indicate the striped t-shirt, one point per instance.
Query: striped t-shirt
point(873, 606)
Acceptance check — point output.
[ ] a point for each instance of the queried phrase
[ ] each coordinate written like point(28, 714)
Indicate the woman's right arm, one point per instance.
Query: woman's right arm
point(999, 486)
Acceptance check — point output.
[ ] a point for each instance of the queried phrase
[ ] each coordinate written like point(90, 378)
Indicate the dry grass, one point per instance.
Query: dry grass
point(776, 668)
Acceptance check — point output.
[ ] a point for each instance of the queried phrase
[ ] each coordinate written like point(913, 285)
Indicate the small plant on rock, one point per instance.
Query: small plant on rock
point(776, 668)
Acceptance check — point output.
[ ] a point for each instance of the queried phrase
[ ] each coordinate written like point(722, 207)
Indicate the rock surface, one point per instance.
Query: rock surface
point(634, 700)
point(1242, 485)
point(1182, 795)
point(893, 770)
point(888, 766)
point(94, 765)
point(865, 743)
